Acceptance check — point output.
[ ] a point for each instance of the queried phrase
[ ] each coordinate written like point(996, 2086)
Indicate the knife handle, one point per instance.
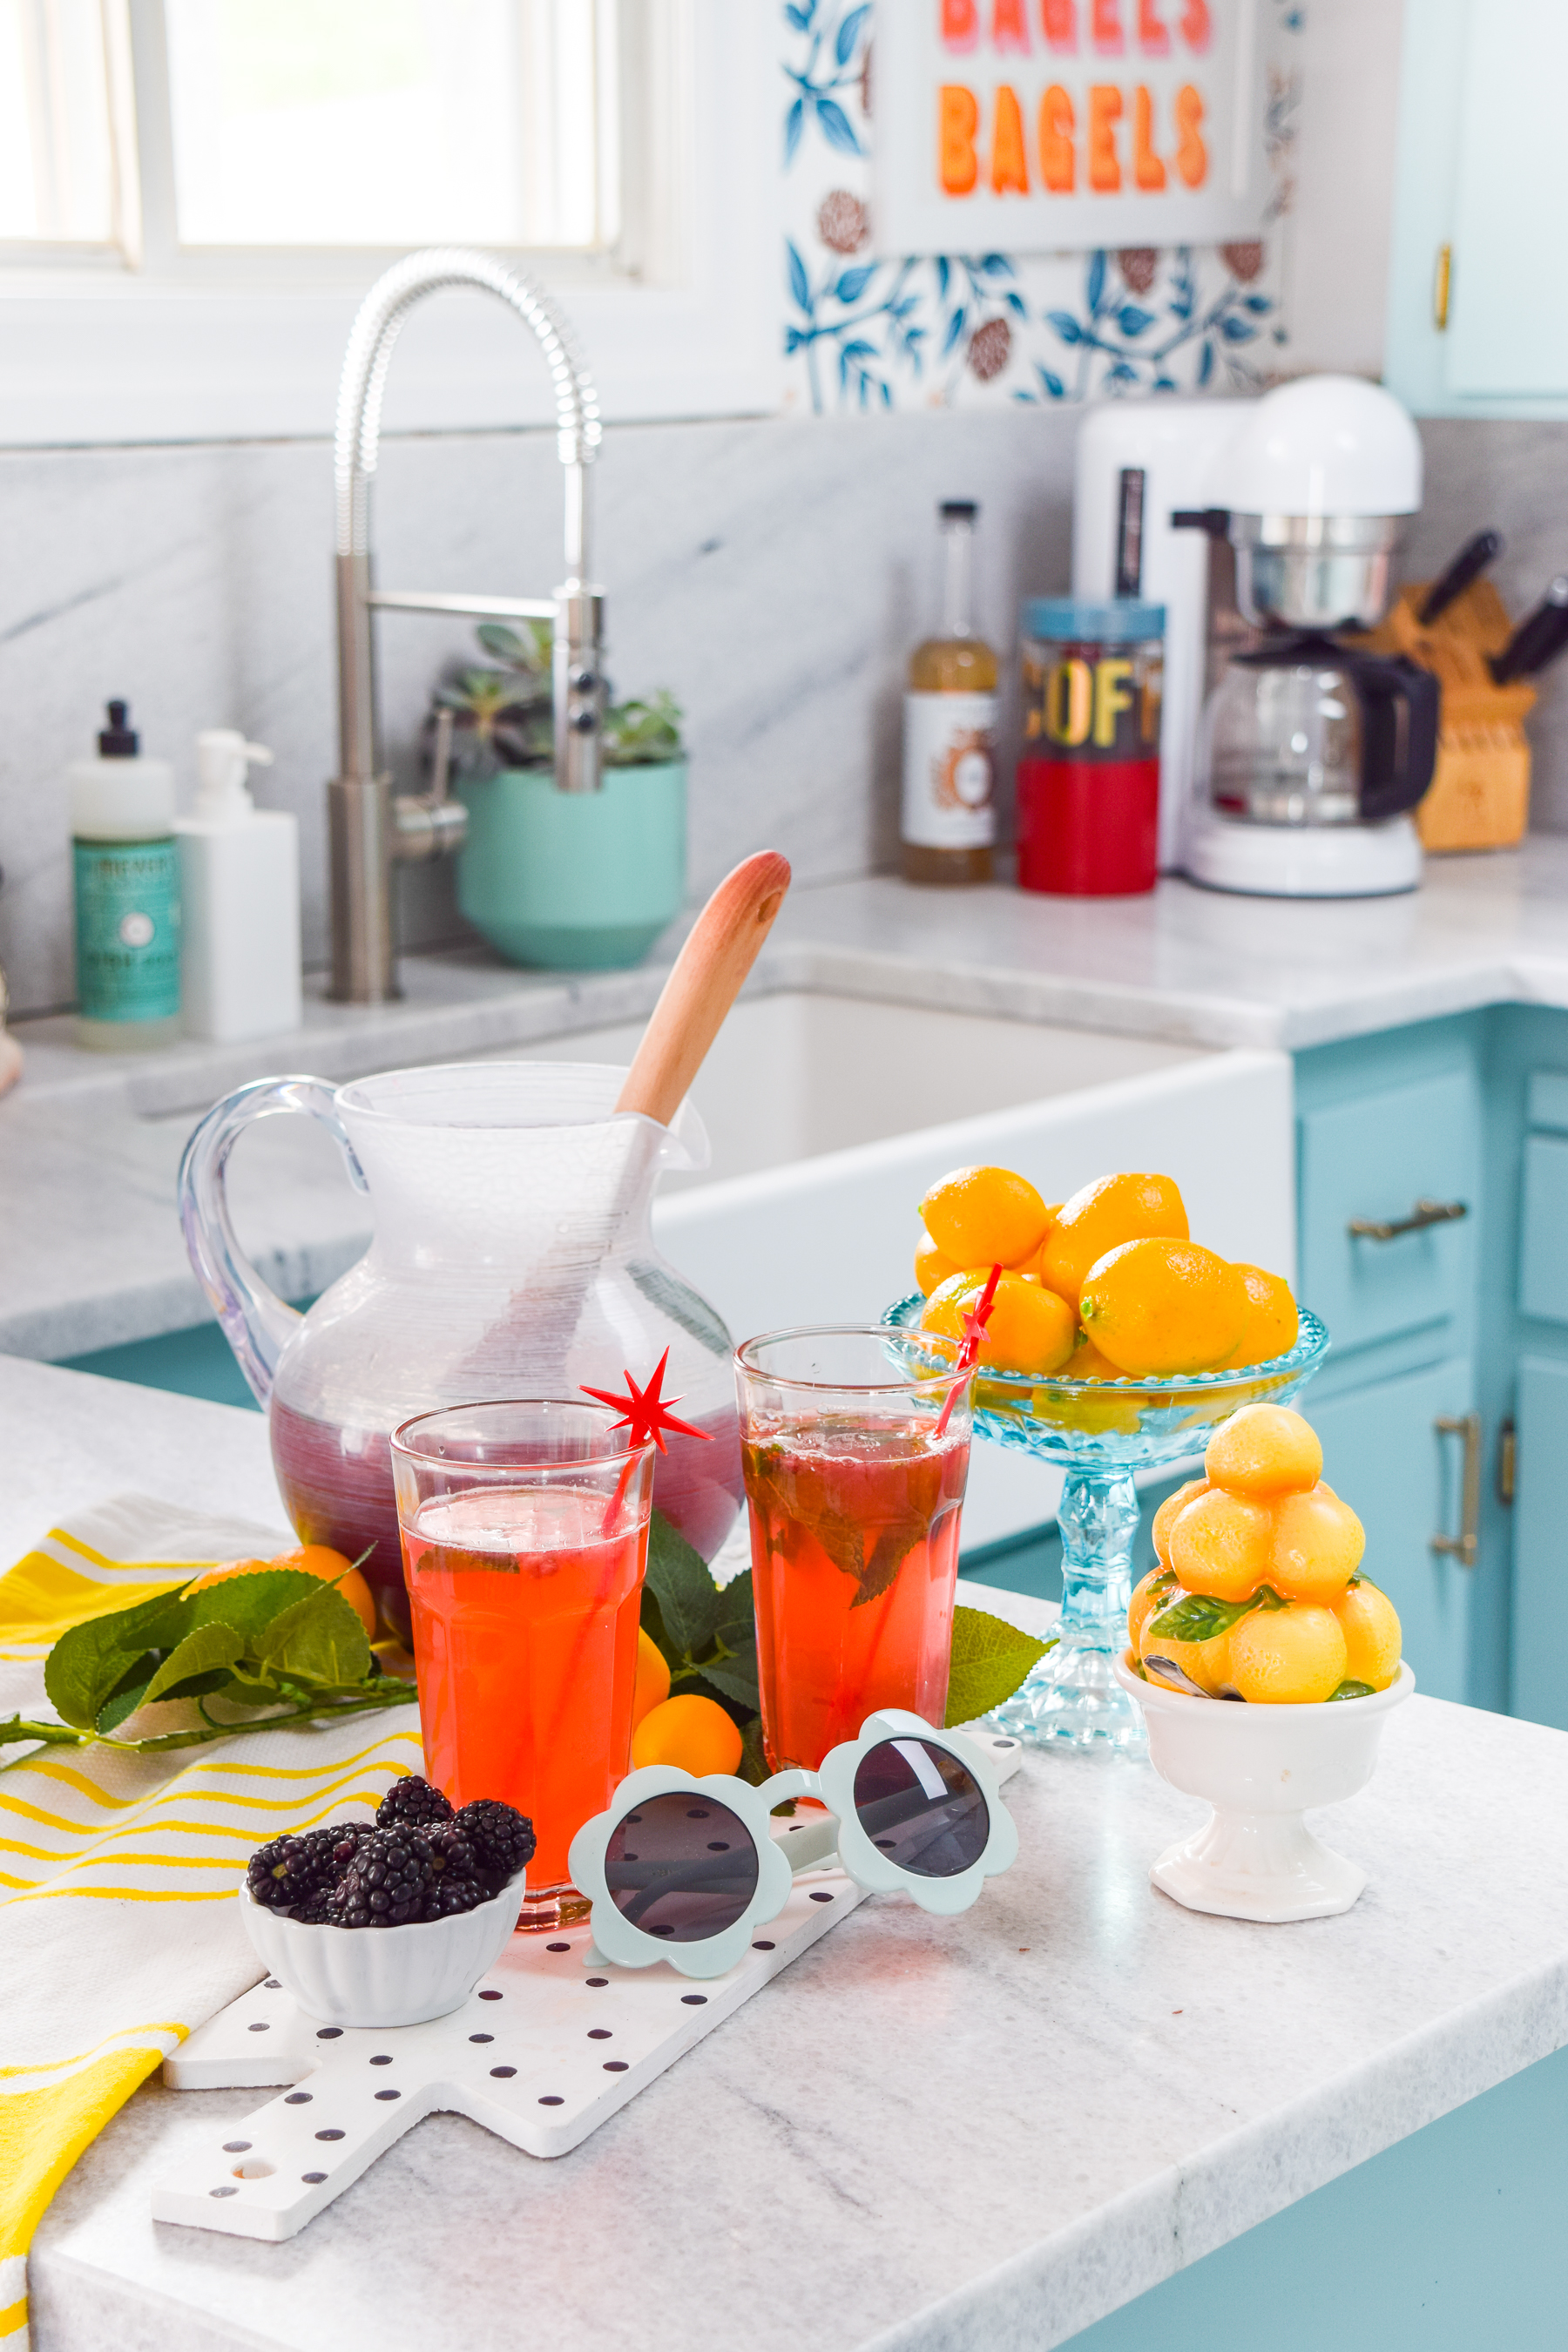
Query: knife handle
point(1536, 637)
point(1468, 564)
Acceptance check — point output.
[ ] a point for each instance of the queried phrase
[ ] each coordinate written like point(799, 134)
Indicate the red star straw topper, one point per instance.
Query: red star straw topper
point(974, 1324)
point(644, 1412)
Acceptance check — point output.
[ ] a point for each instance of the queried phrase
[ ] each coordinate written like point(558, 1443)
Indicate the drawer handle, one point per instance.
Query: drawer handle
point(1424, 1213)
point(1464, 1546)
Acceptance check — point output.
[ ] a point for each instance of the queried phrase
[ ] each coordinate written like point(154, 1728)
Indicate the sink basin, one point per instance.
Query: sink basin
point(830, 1115)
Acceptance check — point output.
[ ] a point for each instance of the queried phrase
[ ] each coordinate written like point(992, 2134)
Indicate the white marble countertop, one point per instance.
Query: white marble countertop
point(968, 2136)
point(90, 1143)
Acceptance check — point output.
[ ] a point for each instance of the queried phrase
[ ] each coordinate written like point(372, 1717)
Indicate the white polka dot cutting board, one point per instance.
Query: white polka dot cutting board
point(549, 2045)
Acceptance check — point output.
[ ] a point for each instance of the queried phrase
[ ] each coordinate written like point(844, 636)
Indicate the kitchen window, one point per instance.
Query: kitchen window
point(193, 194)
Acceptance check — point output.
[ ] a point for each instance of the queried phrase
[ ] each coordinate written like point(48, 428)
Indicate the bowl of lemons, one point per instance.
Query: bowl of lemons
point(1266, 1663)
point(1113, 1342)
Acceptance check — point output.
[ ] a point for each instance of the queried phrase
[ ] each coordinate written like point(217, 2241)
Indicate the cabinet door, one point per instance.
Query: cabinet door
point(1375, 1156)
point(1540, 1633)
point(1384, 1452)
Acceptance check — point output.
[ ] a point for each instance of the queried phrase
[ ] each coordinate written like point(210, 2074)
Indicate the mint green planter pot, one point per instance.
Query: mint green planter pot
point(574, 881)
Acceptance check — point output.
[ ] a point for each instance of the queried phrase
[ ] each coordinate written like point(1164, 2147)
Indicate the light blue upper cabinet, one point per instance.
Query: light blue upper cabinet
point(1479, 179)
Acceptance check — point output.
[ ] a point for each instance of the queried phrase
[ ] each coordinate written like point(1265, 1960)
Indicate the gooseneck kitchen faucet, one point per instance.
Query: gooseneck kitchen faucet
point(369, 826)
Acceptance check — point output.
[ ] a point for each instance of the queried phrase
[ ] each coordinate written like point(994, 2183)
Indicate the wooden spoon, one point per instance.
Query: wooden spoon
point(704, 981)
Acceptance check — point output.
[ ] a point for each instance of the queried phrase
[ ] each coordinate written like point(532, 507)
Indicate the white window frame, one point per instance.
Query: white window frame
point(227, 346)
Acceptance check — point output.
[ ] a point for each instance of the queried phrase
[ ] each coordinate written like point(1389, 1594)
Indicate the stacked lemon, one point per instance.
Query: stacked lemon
point(1259, 1593)
point(1108, 1285)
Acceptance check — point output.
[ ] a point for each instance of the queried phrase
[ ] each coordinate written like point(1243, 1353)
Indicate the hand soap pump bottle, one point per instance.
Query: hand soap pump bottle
point(127, 878)
point(949, 819)
point(240, 881)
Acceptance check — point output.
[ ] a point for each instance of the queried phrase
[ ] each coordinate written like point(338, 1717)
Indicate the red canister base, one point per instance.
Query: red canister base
point(1089, 828)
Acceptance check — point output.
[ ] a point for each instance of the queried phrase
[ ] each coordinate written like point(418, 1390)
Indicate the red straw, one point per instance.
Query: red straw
point(974, 1335)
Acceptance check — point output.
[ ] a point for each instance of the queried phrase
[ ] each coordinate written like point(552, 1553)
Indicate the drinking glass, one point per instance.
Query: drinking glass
point(524, 1539)
point(855, 1447)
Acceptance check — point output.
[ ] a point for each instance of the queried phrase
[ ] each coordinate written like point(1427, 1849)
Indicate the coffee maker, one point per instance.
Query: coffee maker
point(1289, 760)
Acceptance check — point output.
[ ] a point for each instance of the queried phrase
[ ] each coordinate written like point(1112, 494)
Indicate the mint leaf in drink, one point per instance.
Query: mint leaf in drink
point(1198, 1617)
point(887, 1556)
point(1350, 1688)
point(990, 1660)
point(689, 1602)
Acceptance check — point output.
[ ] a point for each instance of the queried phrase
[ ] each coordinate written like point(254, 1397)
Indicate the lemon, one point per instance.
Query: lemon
point(1158, 1306)
point(1114, 1209)
point(985, 1216)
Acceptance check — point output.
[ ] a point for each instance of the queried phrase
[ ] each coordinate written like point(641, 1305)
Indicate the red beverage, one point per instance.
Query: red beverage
point(853, 1551)
point(525, 1638)
point(336, 1486)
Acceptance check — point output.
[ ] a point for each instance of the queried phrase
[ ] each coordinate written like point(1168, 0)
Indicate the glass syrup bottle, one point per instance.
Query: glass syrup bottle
point(949, 819)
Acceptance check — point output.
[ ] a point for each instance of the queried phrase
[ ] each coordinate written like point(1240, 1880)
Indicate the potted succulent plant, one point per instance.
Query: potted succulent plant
point(572, 881)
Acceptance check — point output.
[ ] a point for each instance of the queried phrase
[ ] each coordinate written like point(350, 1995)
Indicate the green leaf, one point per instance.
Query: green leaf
point(250, 1602)
point(990, 1659)
point(206, 1649)
point(888, 1555)
point(1351, 1689)
point(736, 1678)
point(318, 1640)
point(1198, 1617)
point(689, 1602)
point(89, 1662)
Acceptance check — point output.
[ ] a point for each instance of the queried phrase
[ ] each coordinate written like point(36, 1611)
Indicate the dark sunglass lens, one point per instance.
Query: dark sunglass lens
point(679, 1881)
point(921, 1808)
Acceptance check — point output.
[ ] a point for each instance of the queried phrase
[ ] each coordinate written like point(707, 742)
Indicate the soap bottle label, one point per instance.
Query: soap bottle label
point(128, 929)
point(950, 746)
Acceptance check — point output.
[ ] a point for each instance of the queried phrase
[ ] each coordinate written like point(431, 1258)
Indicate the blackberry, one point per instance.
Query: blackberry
point(296, 1873)
point(501, 1836)
point(412, 1803)
point(453, 1853)
point(450, 1896)
point(386, 1882)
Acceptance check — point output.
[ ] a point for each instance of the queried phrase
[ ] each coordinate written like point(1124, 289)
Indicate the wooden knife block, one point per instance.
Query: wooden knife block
point(1479, 795)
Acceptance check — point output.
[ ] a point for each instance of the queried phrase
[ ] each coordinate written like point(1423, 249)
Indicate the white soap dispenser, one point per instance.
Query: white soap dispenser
point(240, 892)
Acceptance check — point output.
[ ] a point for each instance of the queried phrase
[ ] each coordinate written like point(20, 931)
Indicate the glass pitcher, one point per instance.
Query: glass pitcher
point(511, 1257)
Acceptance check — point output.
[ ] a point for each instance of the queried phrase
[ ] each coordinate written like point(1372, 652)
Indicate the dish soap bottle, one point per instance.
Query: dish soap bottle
point(127, 875)
point(950, 729)
point(239, 868)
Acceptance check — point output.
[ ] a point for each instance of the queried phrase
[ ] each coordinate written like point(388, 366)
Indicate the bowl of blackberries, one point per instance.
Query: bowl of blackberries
point(389, 1922)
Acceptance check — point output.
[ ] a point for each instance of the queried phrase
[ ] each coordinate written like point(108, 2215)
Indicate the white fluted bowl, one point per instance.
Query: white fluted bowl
point(383, 1976)
point(1261, 1768)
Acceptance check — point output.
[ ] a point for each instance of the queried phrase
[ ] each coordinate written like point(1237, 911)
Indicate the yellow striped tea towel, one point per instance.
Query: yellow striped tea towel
point(119, 1930)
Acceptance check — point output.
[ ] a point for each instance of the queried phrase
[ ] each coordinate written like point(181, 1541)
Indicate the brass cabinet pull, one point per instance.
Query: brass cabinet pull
point(1464, 1546)
point(1442, 285)
point(1425, 1213)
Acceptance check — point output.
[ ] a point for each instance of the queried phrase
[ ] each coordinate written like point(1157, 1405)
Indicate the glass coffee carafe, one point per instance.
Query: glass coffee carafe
point(511, 1257)
point(1304, 731)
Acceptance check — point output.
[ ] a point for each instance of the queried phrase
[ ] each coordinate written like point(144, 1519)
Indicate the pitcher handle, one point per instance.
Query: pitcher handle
point(255, 1322)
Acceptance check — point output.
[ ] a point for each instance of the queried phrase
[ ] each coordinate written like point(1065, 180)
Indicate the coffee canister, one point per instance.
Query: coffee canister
point(1089, 777)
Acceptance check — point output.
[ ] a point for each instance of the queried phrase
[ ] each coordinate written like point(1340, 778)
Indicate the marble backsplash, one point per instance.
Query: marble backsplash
point(772, 574)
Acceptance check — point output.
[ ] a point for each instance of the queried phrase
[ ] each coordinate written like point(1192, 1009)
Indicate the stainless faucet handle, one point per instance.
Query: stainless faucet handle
point(578, 686)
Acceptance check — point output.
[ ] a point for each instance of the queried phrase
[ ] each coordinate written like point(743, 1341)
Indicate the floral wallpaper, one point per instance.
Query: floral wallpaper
point(972, 329)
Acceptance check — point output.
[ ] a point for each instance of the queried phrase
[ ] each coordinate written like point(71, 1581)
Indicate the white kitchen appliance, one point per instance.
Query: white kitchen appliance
point(1288, 760)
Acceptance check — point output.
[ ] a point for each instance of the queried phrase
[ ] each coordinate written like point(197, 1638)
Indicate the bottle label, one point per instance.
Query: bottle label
point(128, 929)
point(949, 758)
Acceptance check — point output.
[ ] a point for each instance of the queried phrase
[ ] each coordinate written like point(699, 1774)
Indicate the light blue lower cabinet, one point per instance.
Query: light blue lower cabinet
point(1539, 1632)
point(1385, 1453)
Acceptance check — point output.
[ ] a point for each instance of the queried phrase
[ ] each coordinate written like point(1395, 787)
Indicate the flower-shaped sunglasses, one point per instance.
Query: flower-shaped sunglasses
point(683, 1869)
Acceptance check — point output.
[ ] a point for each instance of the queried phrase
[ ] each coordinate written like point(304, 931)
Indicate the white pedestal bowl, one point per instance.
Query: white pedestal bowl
point(1261, 1768)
